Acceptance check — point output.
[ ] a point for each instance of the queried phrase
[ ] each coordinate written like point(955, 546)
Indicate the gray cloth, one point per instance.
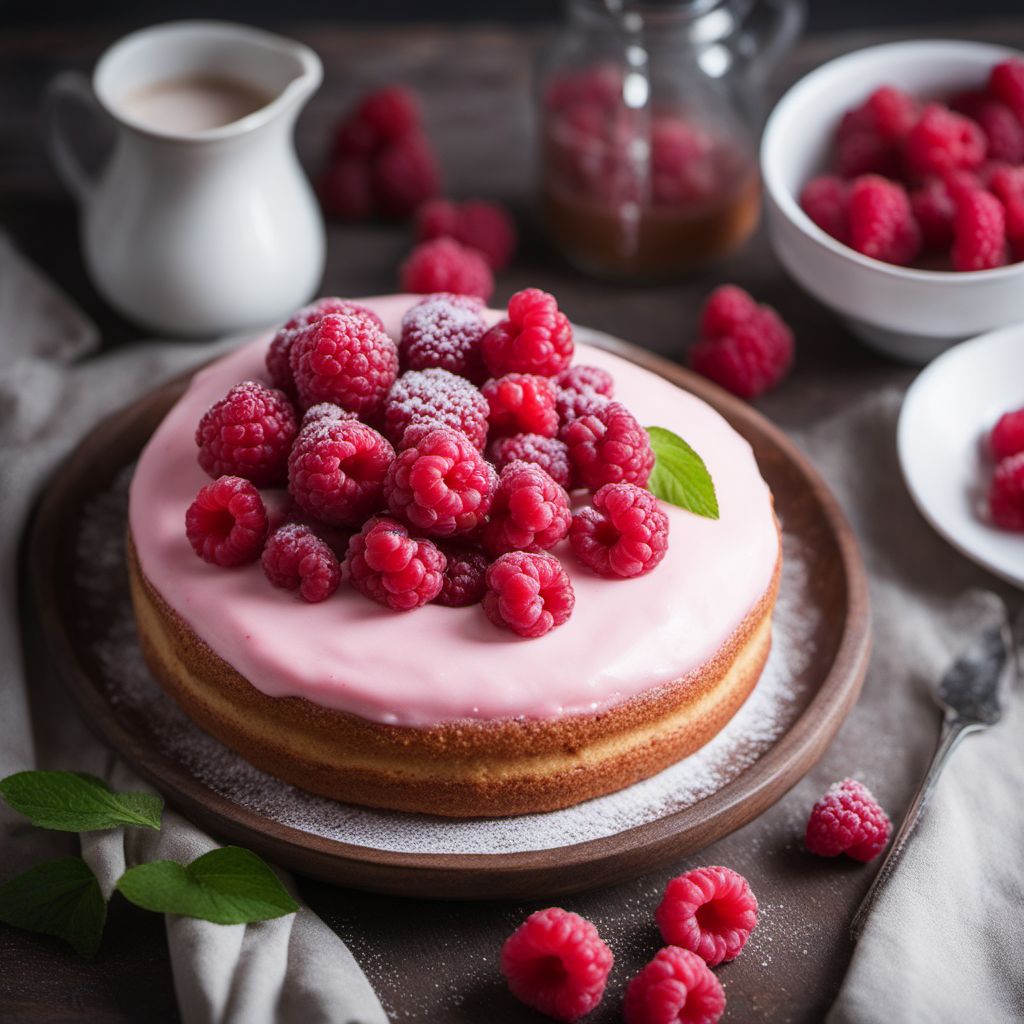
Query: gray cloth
point(293, 969)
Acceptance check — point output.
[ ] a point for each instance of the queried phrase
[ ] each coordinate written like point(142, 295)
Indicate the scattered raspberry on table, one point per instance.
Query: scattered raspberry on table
point(443, 265)
point(847, 819)
point(481, 225)
point(676, 987)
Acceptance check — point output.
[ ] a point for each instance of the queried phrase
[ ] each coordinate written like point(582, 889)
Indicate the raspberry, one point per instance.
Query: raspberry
point(847, 819)
point(556, 962)
point(934, 206)
point(248, 434)
point(1006, 494)
point(344, 359)
point(227, 522)
point(481, 225)
point(859, 153)
point(295, 558)
point(979, 232)
point(528, 593)
point(390, 567)
point(608, 447)
point(444, 331)
point(941, 141)
point(389, 114)
point(586, 379)
point(336, 470)
point(530, 512)
point(1004, 133)
point(437, 397)
point(547, 452)
point(437, 218)
point(869, 136)
point(442, 265)
point(676, 987)
point(404, 176)
point(536, 337)
point(440, 485)
point(571, 405)
point(882, 223)
point(826, 201)
point(345, 190)
point(710, 911)
point(1007, 184)
point(624, 534)
point(521, 403)
point(465, 576)
point(888, 112)
point(326, 411)
point(1007, 437)
point(1006, 83)
point(354, 138)
point(724, 309)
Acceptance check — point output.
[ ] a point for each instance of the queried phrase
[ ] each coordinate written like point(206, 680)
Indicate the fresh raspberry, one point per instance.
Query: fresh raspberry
point(586, 379)
point(530, 512)
point(390, 113)
point(438, 397)
point(392, 568)
point(442, 265)
point(941, 141)
point(247, 433)
point(1007, 437)
point(888, 112)
point(726, 308)
point(881, 221)
point(345, 189)
point(859, 153)
point(521, 403)
point(608, 447)
point(336, 470)
point(295, 558)
point(536, 337)
point(437, 218)
point(481, 225)
point(571, 405)
point(676, 987)
point(934, 206)
point(326, 411)
point(528, 592)
point(624, 534)
point(979, 232)
point(344, 359)
point(847, 819)
point(1004, 133)
point(444, 331)
point(465, 576)
point(547, 452)
point(405, 175)
point(1007, 184)
point(710, 911)
point(441, 485)
point(556, 962)
point(825, 200)
point(227, 522)
point(1006, 83)
point(354, 138)
point(1006, 494)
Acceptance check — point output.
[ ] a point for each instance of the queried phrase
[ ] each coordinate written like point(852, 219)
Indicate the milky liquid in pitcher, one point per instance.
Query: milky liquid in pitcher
point(192, 104)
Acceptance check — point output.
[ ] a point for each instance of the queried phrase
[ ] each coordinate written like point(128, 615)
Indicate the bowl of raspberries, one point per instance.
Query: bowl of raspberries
point(894, 179)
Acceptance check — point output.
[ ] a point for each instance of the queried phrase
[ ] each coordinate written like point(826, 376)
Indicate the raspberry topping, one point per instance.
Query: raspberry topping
point(608, 447)
point(437, 397)
point(624, 534)
point(326, 411)
point(344, 359)
point(943, 140)
point(295, 558)
point(528, 593)
point(710, 911)
point(586, 380)
point(979, 232)
point(392, 568)
point(226, 524)
point(248, 434)
point(441, 484)
point(336, 470)
point(481, 225)
point(1006, 494)
point(536, 337)
point(547, 452)
point(444, 331)
point(825, 200)
point(1007, 437)
point(882, 223)
point(521, 403)
point(847, 819)
point(443, 265)
point(465, 576)
point(404, 175)
point(556, 962)
point(530, 512)
point(571, 405)
point(676, 987)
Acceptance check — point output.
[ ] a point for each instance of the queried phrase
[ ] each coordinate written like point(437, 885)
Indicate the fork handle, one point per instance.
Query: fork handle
point(953, 731)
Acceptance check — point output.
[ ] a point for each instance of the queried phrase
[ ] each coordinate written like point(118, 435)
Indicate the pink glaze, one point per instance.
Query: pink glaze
point(440, 664)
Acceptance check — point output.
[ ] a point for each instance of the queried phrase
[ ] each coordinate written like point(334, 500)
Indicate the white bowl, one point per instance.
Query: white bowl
point(912, 314)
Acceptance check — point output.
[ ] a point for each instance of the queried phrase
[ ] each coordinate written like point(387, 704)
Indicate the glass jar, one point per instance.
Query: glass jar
point(647, 120)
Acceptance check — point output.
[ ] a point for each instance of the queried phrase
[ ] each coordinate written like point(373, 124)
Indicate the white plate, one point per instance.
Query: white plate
point(944, 421)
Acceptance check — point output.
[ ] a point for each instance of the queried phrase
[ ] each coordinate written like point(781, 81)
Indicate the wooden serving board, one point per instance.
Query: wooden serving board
point(824, 590)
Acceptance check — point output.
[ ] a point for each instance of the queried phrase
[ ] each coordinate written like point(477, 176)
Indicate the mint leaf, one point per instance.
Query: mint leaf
point(226, 886)
point(60, 898)
point(76, 802)
point(680, 476)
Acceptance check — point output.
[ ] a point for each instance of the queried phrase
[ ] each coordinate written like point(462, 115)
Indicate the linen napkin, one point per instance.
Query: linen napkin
point(292, 970)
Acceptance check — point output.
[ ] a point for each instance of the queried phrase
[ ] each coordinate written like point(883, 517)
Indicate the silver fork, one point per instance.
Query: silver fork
point(971, 695)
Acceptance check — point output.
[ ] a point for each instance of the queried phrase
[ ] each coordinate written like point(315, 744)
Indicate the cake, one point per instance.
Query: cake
point(437, 710)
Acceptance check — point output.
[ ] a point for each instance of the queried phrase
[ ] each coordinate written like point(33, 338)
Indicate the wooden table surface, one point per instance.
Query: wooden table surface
point(437, 962)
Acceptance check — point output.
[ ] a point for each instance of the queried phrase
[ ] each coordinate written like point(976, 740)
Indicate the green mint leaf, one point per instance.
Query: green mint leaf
point(76, 802)
point(60, 898)
point(680, 476)
point(226, 886)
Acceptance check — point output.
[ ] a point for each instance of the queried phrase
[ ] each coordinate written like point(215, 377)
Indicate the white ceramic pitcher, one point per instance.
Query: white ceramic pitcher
point(204, 232)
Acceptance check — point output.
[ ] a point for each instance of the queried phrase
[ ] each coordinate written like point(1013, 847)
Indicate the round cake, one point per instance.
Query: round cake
point(437, 710)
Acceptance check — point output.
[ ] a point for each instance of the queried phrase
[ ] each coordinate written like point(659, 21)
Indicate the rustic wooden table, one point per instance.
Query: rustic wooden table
point(437, 962)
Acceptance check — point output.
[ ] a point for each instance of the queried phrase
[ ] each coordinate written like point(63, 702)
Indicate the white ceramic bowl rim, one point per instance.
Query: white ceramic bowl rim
point(786, 201)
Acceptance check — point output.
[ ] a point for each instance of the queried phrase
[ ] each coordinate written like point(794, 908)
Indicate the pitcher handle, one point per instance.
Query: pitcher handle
point(69, 85)
point(781, 24)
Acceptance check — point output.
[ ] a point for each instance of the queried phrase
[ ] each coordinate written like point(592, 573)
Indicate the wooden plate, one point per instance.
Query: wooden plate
point(825, 579)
